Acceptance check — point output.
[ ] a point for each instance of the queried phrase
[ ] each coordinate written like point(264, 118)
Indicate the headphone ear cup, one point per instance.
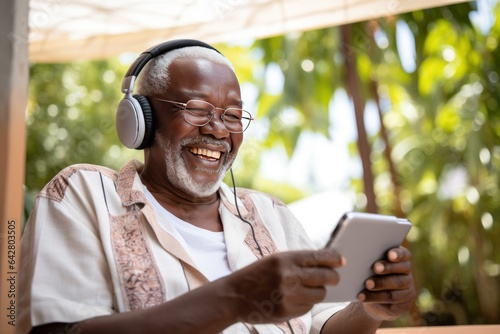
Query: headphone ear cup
point(149, 128)
point(130, 122)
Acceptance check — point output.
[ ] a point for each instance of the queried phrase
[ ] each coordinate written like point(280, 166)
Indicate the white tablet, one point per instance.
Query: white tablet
point(363, 239)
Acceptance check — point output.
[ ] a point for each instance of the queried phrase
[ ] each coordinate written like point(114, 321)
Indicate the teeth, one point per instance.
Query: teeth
point(205, 152)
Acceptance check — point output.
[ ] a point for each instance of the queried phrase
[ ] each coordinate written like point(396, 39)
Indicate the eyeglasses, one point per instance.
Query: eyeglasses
point(199, 113)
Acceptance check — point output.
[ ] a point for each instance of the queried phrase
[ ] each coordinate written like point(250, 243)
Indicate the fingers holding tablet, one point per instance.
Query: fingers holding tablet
point(397, 262)
point(392, 274)
point(386, 297)
point(389, 292)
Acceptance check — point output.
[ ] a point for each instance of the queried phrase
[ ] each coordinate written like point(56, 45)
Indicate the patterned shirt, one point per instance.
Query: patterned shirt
point(93, 246)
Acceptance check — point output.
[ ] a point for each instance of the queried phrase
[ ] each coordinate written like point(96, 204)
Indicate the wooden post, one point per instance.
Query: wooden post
point(14, 72)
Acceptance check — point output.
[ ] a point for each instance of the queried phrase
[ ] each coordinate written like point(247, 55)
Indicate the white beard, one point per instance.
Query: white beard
point(178, 174)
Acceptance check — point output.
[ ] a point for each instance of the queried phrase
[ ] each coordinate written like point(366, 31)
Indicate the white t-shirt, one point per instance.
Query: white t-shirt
point(207, 248)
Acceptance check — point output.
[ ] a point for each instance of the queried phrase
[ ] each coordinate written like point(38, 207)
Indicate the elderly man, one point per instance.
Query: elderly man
point(166, 247)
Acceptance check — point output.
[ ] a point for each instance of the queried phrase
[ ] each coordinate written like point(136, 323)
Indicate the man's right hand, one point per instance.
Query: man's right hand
point(283, 285)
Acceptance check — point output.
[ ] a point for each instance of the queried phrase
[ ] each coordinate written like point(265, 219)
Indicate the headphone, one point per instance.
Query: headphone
point(134, 115)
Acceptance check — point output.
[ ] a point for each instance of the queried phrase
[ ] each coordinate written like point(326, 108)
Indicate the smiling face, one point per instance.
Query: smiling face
point(193, 160)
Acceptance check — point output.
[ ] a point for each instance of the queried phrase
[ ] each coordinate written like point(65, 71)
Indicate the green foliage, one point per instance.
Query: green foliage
point(71, 118)
point(307, 63)
point(443, 124)
point(445, 147)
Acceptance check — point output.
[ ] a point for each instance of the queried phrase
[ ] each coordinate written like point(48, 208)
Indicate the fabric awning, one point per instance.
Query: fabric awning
point(62, 30)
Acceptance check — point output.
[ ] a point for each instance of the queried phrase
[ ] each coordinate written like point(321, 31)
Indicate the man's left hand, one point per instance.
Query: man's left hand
point(391, 291)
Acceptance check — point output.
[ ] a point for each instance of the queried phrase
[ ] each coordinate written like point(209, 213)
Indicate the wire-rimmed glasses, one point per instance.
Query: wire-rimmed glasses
point(199, 113)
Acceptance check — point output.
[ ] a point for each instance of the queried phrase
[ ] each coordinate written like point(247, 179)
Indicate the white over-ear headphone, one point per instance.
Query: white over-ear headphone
point(134, 116)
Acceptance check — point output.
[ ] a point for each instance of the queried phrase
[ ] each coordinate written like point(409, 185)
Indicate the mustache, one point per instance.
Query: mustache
point(208, 141)
point(229, 158)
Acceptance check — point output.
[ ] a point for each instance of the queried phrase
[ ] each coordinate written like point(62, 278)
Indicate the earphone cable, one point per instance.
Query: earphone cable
point(251, 227)
point(239, 214)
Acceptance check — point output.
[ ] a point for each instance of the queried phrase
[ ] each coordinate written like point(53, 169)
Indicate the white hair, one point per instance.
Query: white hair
point(154, 78)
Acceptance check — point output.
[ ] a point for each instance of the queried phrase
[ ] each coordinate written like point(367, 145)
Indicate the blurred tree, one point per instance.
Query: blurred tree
point(448, 150)
point(71, 118)
point(433, 75)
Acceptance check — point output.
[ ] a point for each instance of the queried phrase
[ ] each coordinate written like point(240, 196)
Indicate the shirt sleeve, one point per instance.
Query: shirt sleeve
point(322, 312)
point(64, 274)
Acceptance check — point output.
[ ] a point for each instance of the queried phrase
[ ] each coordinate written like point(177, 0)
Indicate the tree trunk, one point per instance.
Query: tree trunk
point(354, 92)
point(396, 204)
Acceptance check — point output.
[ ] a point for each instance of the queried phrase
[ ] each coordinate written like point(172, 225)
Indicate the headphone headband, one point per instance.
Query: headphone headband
point(134, 117)
point(160, 49)
point(153, 52)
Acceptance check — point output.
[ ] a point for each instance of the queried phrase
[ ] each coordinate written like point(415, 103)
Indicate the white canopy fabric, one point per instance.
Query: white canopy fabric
point(66, 30)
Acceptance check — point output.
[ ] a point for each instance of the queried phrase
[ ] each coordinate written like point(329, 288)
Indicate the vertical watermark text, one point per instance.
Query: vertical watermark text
point(11, 277)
